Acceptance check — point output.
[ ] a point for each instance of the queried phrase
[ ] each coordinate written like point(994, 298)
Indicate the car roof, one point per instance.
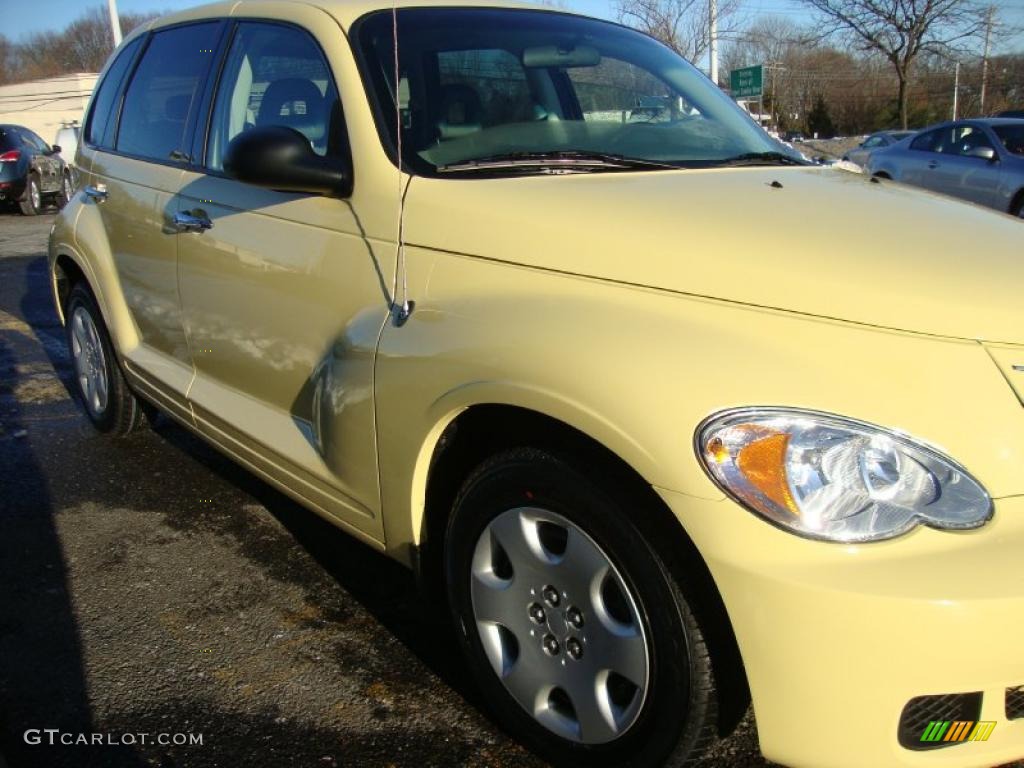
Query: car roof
point(345, 11)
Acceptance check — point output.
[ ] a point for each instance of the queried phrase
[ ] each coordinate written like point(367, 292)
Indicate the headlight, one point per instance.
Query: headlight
point(832, 478)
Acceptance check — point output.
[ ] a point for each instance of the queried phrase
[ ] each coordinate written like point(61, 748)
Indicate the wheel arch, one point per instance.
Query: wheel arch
point(466, 437)
point(1016, 201)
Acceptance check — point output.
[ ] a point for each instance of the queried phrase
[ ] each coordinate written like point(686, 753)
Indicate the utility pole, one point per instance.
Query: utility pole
point(115, 22)
point(956, 88)
point(990, 19)
point(713, 42)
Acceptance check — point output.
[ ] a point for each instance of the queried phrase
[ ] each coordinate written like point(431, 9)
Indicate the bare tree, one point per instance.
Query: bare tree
point(82, 46)
point(901, 30)
point(683, 25)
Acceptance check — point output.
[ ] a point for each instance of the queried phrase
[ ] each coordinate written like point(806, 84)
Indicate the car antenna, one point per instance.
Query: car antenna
point(400, 311)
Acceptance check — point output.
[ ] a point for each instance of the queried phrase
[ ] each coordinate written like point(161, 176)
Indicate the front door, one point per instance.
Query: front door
point(283, 296)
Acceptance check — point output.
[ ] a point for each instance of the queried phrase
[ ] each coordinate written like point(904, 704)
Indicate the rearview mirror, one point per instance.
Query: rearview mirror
point(554, 56)
point(281, 158)
point(55, 149)
point(985, 153)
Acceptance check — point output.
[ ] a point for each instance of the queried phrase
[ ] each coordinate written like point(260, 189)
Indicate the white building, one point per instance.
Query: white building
point(44, 105)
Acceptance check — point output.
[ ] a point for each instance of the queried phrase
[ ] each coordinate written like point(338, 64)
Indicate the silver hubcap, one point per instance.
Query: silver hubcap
point(90, 363)
point(33, 190)
point(559, 626)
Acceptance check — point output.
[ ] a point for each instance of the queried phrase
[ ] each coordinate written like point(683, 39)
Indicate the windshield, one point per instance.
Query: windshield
point(480, 84)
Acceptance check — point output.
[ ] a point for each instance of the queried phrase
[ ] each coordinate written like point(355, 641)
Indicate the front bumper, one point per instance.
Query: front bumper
point(836, 639)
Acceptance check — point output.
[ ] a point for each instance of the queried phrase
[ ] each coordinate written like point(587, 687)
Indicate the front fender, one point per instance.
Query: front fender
point(638, 370)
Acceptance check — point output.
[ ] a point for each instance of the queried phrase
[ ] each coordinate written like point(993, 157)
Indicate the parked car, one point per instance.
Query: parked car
point(980, 160)
point(1015, 113)
point(31, 171)
point(475, 317)
point(859, 155)
point(794, 136)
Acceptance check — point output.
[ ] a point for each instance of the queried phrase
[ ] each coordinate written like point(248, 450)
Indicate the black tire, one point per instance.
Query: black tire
point(66, 190)
point(119, 412)
point(1017, 209)
point(32, 202)
point(677, 717)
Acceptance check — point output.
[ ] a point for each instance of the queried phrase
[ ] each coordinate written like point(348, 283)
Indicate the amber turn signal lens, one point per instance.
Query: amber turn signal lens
point(763, 463)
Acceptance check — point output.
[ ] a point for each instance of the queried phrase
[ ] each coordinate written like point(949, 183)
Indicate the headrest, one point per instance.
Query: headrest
point(296, 103)
point(461, 111)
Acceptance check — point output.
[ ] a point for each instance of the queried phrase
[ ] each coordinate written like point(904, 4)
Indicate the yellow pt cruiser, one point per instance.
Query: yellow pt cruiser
point(520, 299)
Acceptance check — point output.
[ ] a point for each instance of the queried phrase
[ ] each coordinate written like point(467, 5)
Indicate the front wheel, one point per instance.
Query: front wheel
point(580, 637)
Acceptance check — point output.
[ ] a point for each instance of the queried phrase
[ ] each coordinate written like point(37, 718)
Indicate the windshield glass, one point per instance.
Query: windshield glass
point(477, 84)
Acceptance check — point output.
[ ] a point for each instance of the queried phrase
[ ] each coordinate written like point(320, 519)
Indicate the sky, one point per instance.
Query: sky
point(20, 18)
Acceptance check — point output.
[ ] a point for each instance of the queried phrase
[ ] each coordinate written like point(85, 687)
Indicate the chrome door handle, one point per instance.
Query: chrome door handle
point(933, 164)
point(187, 222)
point(97, 193)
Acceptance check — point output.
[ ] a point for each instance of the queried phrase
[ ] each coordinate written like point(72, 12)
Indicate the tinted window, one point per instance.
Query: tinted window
point(105, 102)
point(1012, 137)
point(966, 139)
point(168, 80)
point(34, 141)
point(274, 75)
point(874, 141)
point(926, 141)
point(9, 140)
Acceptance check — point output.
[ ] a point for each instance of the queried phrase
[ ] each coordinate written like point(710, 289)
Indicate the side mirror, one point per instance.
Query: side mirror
point(985, 153)
point(278, 157)
point(55, 149)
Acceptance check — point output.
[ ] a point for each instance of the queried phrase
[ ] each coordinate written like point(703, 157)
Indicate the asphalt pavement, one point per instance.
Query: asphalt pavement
point(153, 592)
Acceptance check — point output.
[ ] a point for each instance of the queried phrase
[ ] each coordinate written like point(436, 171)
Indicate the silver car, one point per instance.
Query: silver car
point(860, 153)
point(978, 160)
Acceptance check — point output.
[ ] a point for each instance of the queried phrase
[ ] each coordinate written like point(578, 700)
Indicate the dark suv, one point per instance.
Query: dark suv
point(30, 169)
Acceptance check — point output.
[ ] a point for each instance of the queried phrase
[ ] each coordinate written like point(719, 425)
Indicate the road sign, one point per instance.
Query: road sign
point(747, 82)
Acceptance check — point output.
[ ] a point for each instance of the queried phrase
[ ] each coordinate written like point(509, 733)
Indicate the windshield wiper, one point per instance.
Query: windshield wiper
point(760, 158)
point(567, 161)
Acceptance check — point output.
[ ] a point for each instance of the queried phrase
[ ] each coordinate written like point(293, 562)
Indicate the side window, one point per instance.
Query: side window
point(619, 92)
point(165, 84)
point(34, 140)
point(99, 126)
point(968, 139)
point(274, 75)
point(874, 141)
point(926, 141)
point(480, 89)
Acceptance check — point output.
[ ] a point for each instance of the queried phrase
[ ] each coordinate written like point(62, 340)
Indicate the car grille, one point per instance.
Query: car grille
point(922, 710)
point(1015, 703)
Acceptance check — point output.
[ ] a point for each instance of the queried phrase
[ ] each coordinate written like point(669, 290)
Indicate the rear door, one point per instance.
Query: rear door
point(284, 295)
point(137, 169)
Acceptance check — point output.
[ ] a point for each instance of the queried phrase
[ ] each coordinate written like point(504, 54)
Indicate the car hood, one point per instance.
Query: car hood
point(817, 241)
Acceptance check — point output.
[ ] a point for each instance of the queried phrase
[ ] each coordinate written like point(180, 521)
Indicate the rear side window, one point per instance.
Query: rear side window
point(9, 140)
point(165, 85)
point(99, 128)
point(274, 75)
point(926, 141)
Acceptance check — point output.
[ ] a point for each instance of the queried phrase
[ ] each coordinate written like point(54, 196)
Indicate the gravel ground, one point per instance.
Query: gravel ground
point(152, 586)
